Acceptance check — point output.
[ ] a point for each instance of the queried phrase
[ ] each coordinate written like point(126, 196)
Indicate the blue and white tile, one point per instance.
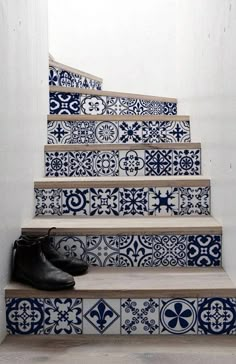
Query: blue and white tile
point(103, 251)
point(59, 132)
point(66, 79)
point(131, 162)
point(186, 162)
point(170, 108)
point(53, 76)
point(106, 132)
point(106, 163)
point(101, 316)
point(117, 106)
point(83, 132)
point(163, 201)
point(178, 316)
point(130, 132)
point(153, 133)
point(194, 200)
point(204, 250)
point(64, 103)
point(149, 107)
point(158, 162)
point(217, 316)
point(48, 201)
point(136, 251)
point(25, 316)
point(104, 201)
point(71, 246)
point(140, 316)
point(93, 105)
point(81, 164)
point(134, 201)
point(177, 131)
point(75, 202)
point(56, 164)
point(63, 316)
point(170, 251)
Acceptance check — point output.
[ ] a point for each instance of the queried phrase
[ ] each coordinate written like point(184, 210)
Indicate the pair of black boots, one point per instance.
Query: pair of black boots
point(38, 263)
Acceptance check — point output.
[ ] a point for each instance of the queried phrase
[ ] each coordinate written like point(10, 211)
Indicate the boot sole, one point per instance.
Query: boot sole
point(23, 279)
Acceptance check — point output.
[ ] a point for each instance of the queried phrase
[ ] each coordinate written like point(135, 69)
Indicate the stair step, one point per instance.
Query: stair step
point(123, 159)
point(94, 102)
point(100, 129)
point(66, 76)
point(128, 301)
point(120, 196)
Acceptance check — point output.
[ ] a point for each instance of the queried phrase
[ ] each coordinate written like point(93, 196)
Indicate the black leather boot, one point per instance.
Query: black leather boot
point(73, 266)
point(32, 267)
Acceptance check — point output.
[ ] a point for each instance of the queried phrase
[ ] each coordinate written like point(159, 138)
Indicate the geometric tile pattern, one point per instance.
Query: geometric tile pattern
point(151, 162)
point(81, 104)
point(143, 201)
point(122, 132)
point(58, 77)
point(121, 316)
point(169, 250)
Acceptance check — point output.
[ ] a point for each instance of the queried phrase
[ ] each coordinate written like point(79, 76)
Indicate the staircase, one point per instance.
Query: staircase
point(123, 186)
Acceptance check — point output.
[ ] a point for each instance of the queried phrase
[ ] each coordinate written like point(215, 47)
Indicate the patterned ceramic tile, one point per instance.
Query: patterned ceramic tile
point(170, 108)
point(63, 316)
point(134, 201)
point(71, 246)
point(163, 201)
point(101, 316)
point(75, 201)
point(103, 251)
point(64, 103)
point(186, 162)
point(81, 164)
point(104, 201)
point(178, 316)
point(194, 200)
point(130, 132)
point(140, 316)
point(24, 316)
point(106, 132)
point(217, 316)
point(106, 163)
point(158, 162)
point(56, 164)
point(83, 132)
point(47, 201)
point(153, 132)
point(204, 250)
point(176, 131)
point(136, 251)
point(59, 132)
point(131, 163)
point(170, 250)
point(93, 105)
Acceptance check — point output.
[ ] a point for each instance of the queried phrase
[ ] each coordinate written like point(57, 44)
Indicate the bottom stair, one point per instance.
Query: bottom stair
point(127, 301)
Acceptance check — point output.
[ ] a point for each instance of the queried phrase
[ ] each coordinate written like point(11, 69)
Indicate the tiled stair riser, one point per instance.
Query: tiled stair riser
point(169, 250)
point(59, 77)
point(125, 316)
point(122, 132)
point(143, 201)
point(83, 104)
point(150, 162)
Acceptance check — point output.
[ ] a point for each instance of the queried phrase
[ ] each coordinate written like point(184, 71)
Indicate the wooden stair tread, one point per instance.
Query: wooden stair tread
point(109, 282)
point(65, 117)
point(123, 225)
point(122, 181)
point(110, 93)
point(103, 147)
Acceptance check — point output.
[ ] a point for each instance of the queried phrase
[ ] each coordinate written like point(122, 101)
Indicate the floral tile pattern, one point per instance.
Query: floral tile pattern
point(85, 104)
point(106, 163)
point(80, 164)
point(186, 162)
point(104, 201)
point(63, 316)
point(158, 162)
point(102, 251)
point(194, 201)
point(56, 164)
point(164, 201)
point(140, 316)
point(131, 163)
point(134, 201)
point(75, 201)
point(170, 251)
point(71, 246)
point(48, 201)
point(136, 251)
point(122, 132)
point(58, 77)
point(204, 250)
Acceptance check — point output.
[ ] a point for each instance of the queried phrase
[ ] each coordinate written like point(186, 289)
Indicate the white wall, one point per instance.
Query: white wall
point(206, 89)
point(23, 110)
point(130, 44)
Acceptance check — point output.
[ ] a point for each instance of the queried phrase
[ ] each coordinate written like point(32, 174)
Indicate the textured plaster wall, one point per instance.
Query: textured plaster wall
point(23, 110)
point(206, 89)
